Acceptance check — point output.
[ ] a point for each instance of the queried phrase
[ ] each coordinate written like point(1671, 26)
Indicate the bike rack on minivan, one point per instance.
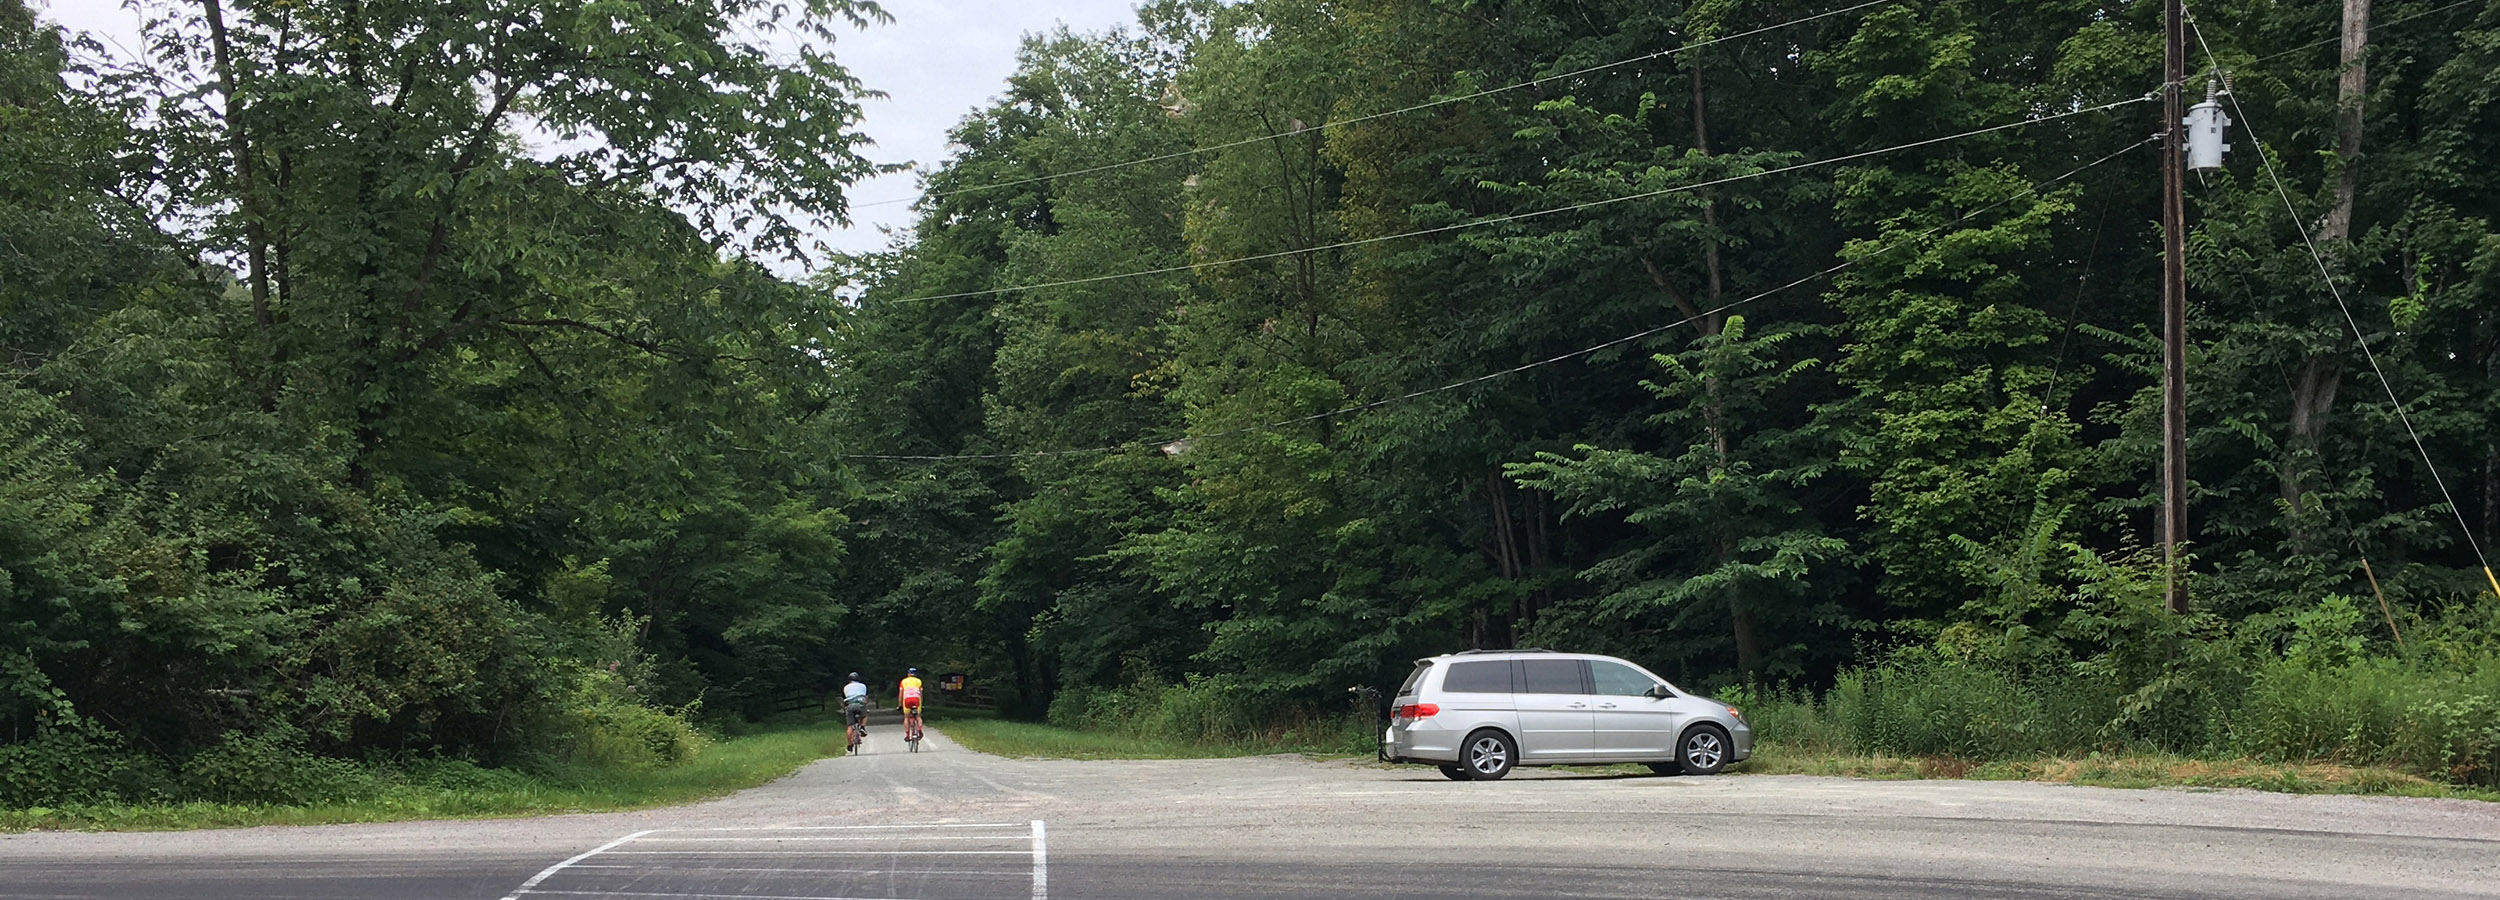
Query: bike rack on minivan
point(1372, 701)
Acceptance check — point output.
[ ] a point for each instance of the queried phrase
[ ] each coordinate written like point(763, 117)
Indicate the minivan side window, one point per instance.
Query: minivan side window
point(1617, 679)
point(1552, 676)
point(1481, 676)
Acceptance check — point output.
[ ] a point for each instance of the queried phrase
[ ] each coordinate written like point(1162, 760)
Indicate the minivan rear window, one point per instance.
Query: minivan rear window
point(1414, 678)
point(1481, 677)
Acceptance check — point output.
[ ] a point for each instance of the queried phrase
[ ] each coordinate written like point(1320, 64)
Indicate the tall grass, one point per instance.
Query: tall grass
point(448, 788)
point(1217, 716)
point(2377, 711)
point(2415, 716)
point(2432, 716)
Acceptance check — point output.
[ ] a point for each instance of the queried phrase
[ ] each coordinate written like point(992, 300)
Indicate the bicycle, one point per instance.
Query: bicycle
point(911, 728)
point(858, 730)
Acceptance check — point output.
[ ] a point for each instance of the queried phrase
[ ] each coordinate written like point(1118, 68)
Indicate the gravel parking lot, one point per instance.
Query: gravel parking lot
point(948, 823)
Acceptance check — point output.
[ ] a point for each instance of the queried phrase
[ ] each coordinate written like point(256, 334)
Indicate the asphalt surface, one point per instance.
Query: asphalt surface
point(948, 823)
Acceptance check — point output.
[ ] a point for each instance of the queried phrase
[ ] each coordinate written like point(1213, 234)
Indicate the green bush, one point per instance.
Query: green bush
point(1210, 710)
point(1204, 711)
point(63, 766)
point(1790, 718)
point(460, 776)
point(1925, 703)
point(272, 768)
point(603, 724)
point(2376, 711)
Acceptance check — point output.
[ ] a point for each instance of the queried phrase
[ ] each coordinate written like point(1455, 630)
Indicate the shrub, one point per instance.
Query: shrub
point(79, 764)
point(272, 768)
point(1925, 703)
point(1790, 718)
point(2376, 711)
point(604, 724)
point(1202, 710)
point(458, 776)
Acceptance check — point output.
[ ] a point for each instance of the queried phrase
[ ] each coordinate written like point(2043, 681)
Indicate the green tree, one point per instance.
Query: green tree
point(1729, 555)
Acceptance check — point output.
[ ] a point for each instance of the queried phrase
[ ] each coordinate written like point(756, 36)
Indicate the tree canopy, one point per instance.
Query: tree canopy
point(409, 377)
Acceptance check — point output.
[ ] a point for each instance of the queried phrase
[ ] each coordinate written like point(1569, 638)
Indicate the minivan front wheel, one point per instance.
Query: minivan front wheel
point(1702, 751)
point(1488, 755)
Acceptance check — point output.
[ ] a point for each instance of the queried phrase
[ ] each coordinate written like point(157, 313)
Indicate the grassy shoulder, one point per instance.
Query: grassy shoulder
point(458, 790)
point(1002, 737)
point(1009, 738)
point(2120, 770)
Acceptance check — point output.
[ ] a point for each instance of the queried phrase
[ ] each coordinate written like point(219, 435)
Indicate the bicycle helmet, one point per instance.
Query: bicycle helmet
point(915, 670)
point(855, 676)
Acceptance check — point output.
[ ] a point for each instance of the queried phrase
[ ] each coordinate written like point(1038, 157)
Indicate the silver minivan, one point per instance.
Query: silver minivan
point(1478, 713)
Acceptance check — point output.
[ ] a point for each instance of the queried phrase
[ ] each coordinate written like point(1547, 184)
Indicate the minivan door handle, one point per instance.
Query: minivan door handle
point(1605, 706)
point(1579, 706)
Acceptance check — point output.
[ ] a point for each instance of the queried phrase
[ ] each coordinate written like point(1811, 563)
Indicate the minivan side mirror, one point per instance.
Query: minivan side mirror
point(1658, 692)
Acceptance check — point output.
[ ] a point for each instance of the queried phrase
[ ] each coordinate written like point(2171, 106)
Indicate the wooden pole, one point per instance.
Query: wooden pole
point(2174, 306)
point(2382, 603)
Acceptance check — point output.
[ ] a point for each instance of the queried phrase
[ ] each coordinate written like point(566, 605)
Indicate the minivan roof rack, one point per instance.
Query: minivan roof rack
point(1513, 650)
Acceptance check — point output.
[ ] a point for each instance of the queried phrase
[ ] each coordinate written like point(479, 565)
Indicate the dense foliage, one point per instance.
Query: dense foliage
point(347, 418)
point(1902, 400)
point(395, 379)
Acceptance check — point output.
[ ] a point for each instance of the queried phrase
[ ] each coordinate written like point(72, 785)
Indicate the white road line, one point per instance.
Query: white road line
point(1041, 864)
point(705, 896)
point(786, 870)
point(818, 852)
point(850, 827)
point(846, 838)
point(551, 870)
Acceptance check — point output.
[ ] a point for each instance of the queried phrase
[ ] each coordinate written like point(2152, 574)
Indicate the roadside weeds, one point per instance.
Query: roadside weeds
point(1035, 740)
point(726, 766)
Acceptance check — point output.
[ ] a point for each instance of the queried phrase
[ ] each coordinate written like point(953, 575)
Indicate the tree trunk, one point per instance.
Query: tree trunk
point(1506, 550)
point(1747, 629)
point(2313, 387)
point(1748, 642)
point(2485, 333)
point(255, 245)
point(2313, 398)
point(2351, 90)
point(1505, 547)
point(1713, 318)
point(2491, 491)
point(1537, 560)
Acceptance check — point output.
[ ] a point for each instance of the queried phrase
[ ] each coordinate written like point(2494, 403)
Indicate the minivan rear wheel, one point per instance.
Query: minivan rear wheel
point(1488, 755)
point(1702, 750)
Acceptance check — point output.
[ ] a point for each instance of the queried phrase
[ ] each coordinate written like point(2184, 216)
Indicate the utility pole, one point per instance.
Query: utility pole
point(2174, 304)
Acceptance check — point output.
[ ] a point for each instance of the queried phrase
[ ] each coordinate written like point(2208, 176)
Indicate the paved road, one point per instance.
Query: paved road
point(947, 823)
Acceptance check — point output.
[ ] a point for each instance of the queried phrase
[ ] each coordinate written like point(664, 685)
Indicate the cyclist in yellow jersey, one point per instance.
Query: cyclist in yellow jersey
point(909, 692)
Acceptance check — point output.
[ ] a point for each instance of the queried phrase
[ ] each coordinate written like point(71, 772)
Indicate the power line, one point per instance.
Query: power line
point(2200, 37)
point(2327, 276)
point(1584, 351)
point(1514, 217)
point(1445, 101)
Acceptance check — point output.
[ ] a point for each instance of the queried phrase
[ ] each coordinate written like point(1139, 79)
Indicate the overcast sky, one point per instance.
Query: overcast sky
point(939, 60)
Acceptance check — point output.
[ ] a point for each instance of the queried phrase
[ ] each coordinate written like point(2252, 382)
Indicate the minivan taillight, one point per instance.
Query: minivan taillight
point(1412, 711)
